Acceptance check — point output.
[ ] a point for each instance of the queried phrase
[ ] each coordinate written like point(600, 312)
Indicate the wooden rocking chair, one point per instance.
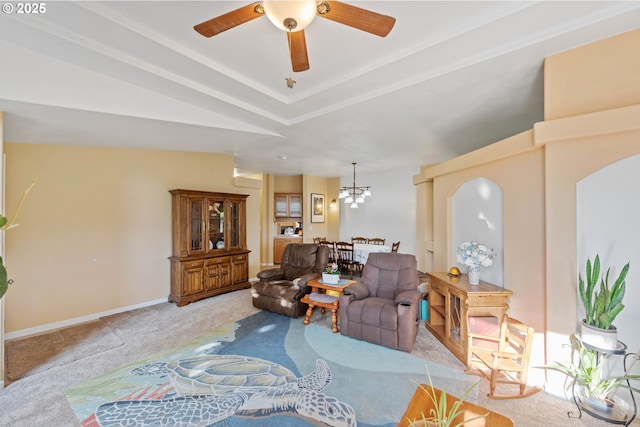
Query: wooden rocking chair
point(502, 358)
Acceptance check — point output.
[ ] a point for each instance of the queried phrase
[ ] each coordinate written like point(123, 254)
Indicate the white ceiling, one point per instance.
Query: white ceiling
point(451, 77)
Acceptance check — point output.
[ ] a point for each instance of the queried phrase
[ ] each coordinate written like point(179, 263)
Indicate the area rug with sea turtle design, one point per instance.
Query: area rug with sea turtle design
point(264, 370)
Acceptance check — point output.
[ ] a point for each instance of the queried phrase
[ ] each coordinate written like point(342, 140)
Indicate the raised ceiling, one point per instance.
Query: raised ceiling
point(450, 77)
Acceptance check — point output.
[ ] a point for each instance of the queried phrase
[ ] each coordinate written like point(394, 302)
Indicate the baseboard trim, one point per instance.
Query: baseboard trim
point(77, 320)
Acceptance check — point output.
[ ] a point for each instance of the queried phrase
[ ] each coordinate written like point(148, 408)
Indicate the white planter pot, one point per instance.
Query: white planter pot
point(331, 279)
point(606, 339)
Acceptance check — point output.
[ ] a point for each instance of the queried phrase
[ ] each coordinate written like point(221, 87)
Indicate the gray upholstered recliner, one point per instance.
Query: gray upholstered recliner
point(280, 289)
point(384, 307)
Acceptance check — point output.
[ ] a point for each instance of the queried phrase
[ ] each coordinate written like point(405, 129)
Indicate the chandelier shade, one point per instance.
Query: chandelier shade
point(354, 195)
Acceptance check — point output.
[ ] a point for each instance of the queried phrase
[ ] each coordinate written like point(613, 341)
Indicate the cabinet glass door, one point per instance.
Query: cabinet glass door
point(281, 205)
point(233, 233)
point(196, 224)
point(295, 206)
point(216, 224)
point(454, 318)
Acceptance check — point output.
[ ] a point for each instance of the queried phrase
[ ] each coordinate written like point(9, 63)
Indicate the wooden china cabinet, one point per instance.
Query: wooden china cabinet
point(210, 255)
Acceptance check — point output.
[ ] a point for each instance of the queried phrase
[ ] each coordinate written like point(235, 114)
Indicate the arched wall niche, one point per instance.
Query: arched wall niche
point(607, 212)
point(477, 208)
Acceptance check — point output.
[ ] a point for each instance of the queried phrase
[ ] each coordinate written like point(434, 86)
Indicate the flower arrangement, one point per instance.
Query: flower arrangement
point(332, 269)
point(331, 275)
point(474, 253)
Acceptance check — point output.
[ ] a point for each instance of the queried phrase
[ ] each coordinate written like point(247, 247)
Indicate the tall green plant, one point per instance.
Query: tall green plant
point(601, 307)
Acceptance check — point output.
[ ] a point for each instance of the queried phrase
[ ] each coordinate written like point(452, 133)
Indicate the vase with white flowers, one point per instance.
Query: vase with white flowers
point(475, 255)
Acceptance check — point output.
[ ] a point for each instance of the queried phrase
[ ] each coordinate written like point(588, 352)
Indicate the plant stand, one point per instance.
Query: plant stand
point(619, 411)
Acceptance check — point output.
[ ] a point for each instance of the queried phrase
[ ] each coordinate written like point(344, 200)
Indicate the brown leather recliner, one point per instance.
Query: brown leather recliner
point(384, 307)
point(280, 289)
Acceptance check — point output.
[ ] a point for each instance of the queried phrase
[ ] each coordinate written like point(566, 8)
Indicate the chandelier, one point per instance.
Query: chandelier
point(354, 195)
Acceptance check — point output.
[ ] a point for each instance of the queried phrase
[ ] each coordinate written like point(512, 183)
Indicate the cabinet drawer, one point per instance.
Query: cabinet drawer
point(219, 260)
point(238, 258)
point(193, 264)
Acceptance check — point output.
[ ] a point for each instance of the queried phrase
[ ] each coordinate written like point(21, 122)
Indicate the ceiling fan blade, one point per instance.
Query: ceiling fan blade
point(356, 17)
point(298, 51)
point(229, 20)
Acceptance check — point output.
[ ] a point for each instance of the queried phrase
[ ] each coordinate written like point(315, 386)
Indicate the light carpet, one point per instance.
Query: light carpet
point(27, 357)
point(263, 370)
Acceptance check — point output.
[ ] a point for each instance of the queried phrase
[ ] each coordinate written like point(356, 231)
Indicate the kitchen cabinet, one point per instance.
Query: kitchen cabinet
point(288, 205)
point(210, 255)
point(279, 244)
point(452, 300)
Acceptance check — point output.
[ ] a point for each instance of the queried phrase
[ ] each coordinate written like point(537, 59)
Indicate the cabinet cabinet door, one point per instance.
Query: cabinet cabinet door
point(288, 205)
point(295, 205)
point(240, 269)
point(455, 328)
point(192, 277)
point(281, 206)
point(235, 232)
point(195, 225)
point(278, 249)
point(215, 224)
point(218, 273)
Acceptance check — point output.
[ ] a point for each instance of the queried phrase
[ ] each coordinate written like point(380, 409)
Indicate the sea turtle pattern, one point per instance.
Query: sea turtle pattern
point(212, 388)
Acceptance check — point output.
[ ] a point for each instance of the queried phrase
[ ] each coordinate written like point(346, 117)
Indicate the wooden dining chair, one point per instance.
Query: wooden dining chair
point(346, 263)
point(332, 250)
point(355, 240)
point(317, 240)
point(376, 241)
point(395, 246)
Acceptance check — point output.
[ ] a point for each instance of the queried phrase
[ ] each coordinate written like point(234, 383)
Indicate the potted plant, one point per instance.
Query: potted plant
point(431, 407)
point(331, 275)
point(594, 387)
point(601, 306)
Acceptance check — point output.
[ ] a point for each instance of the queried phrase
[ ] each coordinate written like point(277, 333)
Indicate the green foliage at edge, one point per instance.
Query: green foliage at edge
point(4, 281)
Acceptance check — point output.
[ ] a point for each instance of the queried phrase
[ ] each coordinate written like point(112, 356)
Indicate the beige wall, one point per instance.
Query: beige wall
point(95, 232)
point(596, 77)
point(287, 184)
point(305, 184)
point(520, 175)
point(538, 171)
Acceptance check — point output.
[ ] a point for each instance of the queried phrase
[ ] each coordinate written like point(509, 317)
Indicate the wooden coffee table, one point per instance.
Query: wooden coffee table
point(320, 298)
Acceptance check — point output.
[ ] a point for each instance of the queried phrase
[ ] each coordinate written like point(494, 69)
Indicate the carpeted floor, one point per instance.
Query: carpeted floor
point(26, 356)
point(38, 399)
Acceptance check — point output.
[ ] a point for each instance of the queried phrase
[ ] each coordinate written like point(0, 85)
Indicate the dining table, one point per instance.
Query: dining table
point(361, 251)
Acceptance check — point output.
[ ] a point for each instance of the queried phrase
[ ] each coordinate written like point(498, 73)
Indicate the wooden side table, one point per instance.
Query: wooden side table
point(319, 297)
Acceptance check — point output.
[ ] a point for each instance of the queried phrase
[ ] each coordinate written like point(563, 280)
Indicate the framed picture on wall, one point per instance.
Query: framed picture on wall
point(317, 207)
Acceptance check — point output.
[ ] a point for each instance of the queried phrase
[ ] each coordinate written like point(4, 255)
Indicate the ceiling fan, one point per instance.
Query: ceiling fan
point(294, 16)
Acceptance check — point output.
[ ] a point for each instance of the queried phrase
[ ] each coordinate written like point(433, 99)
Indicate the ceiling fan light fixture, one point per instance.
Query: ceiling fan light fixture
point(294, 15)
